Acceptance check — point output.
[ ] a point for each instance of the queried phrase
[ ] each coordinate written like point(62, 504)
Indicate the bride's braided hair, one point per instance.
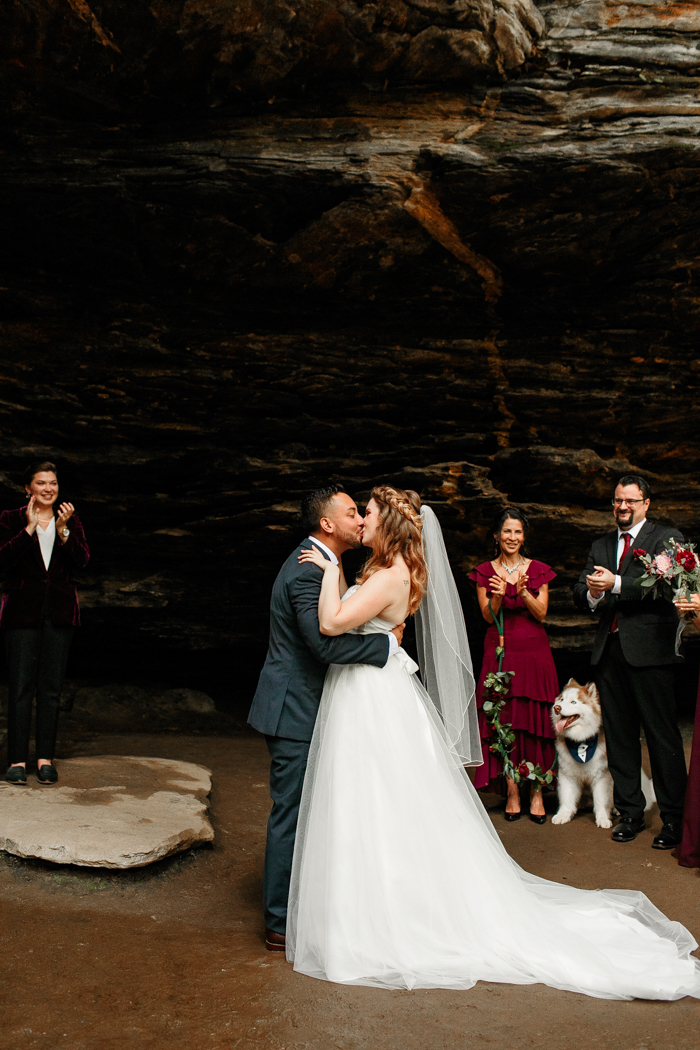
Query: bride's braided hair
point(399, 531)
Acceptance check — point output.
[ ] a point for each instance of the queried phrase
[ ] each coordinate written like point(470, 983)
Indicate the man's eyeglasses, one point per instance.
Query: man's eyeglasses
point(629, 502)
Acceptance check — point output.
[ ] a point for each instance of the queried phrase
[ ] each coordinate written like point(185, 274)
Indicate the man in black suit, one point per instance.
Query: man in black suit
point(289, 690)
point(634, 657)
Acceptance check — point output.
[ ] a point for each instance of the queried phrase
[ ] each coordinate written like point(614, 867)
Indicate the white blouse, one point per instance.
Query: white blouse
point(47, 538)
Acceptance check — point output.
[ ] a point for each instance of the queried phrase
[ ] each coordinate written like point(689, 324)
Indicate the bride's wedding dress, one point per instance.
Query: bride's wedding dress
point(400, 880)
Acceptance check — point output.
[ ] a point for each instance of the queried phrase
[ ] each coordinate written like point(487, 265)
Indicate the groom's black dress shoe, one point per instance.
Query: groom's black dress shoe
point(627, 829)
point(669, 837)
point(275, 942)
point(47, 774)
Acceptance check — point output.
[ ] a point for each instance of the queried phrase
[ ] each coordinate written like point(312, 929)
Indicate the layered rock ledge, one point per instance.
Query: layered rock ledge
point(251, 247)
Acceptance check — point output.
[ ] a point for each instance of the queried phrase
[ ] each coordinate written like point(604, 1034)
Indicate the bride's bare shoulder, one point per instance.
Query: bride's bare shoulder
point(390, 575)
point(397, 574)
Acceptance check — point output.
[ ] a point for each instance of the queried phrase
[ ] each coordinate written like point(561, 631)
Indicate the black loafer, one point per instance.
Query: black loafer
point(669, 837)
point(47, 774)
point(16, 775)
point(512, 816)
point(626, 830)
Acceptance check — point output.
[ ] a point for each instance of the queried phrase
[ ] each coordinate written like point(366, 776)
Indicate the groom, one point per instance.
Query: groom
point(286, 701)
point(634, 657)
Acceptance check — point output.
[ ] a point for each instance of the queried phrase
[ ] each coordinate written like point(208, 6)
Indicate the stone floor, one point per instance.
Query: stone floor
point(171, 956)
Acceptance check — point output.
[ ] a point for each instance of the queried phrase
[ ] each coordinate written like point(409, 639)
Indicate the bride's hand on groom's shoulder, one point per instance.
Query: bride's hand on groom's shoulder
point(316, 558)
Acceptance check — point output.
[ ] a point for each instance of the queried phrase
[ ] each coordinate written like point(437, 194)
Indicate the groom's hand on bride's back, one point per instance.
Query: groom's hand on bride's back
point(398, 632)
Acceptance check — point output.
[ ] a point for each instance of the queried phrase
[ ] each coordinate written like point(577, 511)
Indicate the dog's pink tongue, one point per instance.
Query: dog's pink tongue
point(559, 727)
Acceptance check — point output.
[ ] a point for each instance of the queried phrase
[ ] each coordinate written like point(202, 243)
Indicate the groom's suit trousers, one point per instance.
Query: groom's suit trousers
point(287, 770)
point(630, 696)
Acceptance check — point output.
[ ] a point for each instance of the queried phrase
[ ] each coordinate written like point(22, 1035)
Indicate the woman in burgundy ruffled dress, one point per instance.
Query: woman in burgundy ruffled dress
point(519, 586)
point(688, 853)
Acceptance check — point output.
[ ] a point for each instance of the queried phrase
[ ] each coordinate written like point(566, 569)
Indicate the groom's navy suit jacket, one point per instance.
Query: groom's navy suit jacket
point(291, 681)
point(647, 627)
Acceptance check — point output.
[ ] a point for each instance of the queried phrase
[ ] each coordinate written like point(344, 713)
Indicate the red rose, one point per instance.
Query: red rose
point(686, 559)
point(638, 552)
point(523, 769)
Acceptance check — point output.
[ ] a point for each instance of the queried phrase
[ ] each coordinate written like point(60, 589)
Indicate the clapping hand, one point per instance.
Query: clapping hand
point(498, 585)
point(601, 580)
point(32, 515)
point(65, 513)
point(315, 557)
point(522, 585)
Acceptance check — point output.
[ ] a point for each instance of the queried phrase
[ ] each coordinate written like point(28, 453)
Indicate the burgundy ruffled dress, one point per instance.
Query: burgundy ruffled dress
point(688, 853)
point(534, 686)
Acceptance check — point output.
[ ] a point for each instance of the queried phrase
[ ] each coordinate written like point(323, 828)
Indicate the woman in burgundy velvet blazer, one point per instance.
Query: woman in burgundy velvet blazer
point(28, 585)
point(39, 552)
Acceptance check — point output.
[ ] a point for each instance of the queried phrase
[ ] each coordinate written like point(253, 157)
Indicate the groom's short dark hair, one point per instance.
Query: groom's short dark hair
point(315, 506)
point(636, 479)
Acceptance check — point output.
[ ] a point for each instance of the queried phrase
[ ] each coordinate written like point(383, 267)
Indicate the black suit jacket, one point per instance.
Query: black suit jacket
point(647, 626)
point(291, 681)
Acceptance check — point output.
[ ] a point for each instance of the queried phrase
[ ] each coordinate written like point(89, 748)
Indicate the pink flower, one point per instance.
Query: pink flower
point(663, 563)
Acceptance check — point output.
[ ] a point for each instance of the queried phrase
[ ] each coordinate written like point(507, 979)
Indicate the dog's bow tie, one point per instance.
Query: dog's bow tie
point(582, 750)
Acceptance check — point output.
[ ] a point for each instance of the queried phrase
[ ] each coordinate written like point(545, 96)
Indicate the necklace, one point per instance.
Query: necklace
point(514, 569)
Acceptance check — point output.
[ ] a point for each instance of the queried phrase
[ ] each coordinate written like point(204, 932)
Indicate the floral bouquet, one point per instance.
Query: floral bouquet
point(672, 574)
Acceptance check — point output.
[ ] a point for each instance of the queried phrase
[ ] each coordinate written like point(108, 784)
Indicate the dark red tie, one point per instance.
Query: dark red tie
point(626, 541)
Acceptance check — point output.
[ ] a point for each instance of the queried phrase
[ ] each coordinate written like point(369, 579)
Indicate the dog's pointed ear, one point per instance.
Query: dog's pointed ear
point(592, 691)
point(573, 682)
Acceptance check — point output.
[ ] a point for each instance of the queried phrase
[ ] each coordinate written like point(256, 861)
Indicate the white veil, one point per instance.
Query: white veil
point(443, 649)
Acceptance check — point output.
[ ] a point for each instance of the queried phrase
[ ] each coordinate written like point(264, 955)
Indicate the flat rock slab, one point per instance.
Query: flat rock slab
point(108, 812)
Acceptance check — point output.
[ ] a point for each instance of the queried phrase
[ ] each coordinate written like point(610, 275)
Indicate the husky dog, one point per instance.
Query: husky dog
point(583, 760)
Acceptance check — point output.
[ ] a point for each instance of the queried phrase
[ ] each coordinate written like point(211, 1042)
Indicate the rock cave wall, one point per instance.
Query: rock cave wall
point(249, 247)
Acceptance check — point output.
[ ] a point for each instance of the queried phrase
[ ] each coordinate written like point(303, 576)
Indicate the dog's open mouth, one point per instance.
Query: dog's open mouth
point(564, 723)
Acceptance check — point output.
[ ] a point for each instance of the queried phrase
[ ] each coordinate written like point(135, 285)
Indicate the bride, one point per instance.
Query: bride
point(399, 879)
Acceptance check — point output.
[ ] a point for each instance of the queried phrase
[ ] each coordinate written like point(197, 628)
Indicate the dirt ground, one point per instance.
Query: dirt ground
point(172, 956)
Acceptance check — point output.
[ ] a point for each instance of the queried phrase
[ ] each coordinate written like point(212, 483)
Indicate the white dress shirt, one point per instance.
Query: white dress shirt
point(47, 538)
point(393, 644)
point(617, 586)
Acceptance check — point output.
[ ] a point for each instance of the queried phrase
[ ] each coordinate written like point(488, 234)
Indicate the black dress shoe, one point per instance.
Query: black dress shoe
point(669, 837)
point(16, 775)
point(512, 816)
point(538, 820)
point(47, 774)
point(626, 829)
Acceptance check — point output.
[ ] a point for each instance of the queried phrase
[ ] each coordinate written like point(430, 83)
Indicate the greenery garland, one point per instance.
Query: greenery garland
point(496, 689)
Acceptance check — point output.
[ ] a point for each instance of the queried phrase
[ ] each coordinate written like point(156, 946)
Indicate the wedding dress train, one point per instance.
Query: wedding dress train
point(400, 880)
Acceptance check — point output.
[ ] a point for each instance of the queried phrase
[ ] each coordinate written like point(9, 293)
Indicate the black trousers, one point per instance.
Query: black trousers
point(630, 697)
point(287, 771)
point(36, 662)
